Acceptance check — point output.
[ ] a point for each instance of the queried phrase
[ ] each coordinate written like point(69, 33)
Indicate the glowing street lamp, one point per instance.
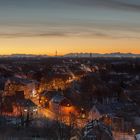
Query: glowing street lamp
point(133, 131)
point(68, 105)
point(35, 110)
point(82, 109)
point(25, 110)
point(83, 116)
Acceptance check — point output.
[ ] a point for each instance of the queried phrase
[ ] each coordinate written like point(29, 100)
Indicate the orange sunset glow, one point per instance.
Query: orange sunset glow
point(65, 45)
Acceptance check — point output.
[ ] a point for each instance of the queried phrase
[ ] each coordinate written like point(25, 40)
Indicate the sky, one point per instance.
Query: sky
point(68, 26)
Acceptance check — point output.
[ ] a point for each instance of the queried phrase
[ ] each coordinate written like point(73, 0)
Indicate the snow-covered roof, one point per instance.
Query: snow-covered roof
point(137, 136)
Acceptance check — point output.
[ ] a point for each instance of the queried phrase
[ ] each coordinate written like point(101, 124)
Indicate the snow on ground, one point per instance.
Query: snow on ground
point(123, 136)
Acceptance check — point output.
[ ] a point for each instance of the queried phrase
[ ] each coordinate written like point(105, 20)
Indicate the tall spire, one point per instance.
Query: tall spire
point(56, 53)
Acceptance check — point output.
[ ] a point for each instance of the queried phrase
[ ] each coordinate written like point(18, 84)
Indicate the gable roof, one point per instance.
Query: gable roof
point(26, 103)
point(58, 99)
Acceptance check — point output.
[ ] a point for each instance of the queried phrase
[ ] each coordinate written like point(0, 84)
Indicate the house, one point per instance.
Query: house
point(15, 84)
point(96, 130)
point(46, 96)
point(60, 104)
point(16, 105)
point(99, 110)
point(137, 136)
point(25, 107)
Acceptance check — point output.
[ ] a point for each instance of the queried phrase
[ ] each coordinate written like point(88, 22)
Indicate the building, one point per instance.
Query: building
point(99, 110)
point(15, 84)
point(25, 107)
point(96, 130)
point(61, 105)
point(46, 96)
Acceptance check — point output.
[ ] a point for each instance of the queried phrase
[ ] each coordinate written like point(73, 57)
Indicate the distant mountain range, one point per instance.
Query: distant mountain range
point(23, 55)
point(118, 54)
point(74, 55)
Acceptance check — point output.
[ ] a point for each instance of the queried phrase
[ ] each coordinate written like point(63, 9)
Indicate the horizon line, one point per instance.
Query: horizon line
point(69, 53)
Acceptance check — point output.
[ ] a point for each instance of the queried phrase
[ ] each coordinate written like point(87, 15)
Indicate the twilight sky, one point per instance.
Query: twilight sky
point(44, 26)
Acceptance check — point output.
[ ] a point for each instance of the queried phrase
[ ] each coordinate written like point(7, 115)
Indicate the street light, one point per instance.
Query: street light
point(82, 109)
point(68, 105)
point(25, 110)
point(133, 131)
point(35, 110)
point(83, 116)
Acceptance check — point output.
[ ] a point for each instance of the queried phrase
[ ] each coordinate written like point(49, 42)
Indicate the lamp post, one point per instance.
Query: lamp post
point(27, 116)
point(133, 132)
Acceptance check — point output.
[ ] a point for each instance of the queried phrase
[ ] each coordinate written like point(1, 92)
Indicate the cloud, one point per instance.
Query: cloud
point(123, 5)
point(101, 34)
point(18, 35)
point(133, 5)
point(117, 4)
point(113, 4)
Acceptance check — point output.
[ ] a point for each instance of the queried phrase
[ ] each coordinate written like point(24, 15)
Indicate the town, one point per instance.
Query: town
point(63, 98)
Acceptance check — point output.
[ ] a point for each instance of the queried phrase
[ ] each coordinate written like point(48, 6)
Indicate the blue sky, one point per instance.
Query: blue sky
point(55, 16)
